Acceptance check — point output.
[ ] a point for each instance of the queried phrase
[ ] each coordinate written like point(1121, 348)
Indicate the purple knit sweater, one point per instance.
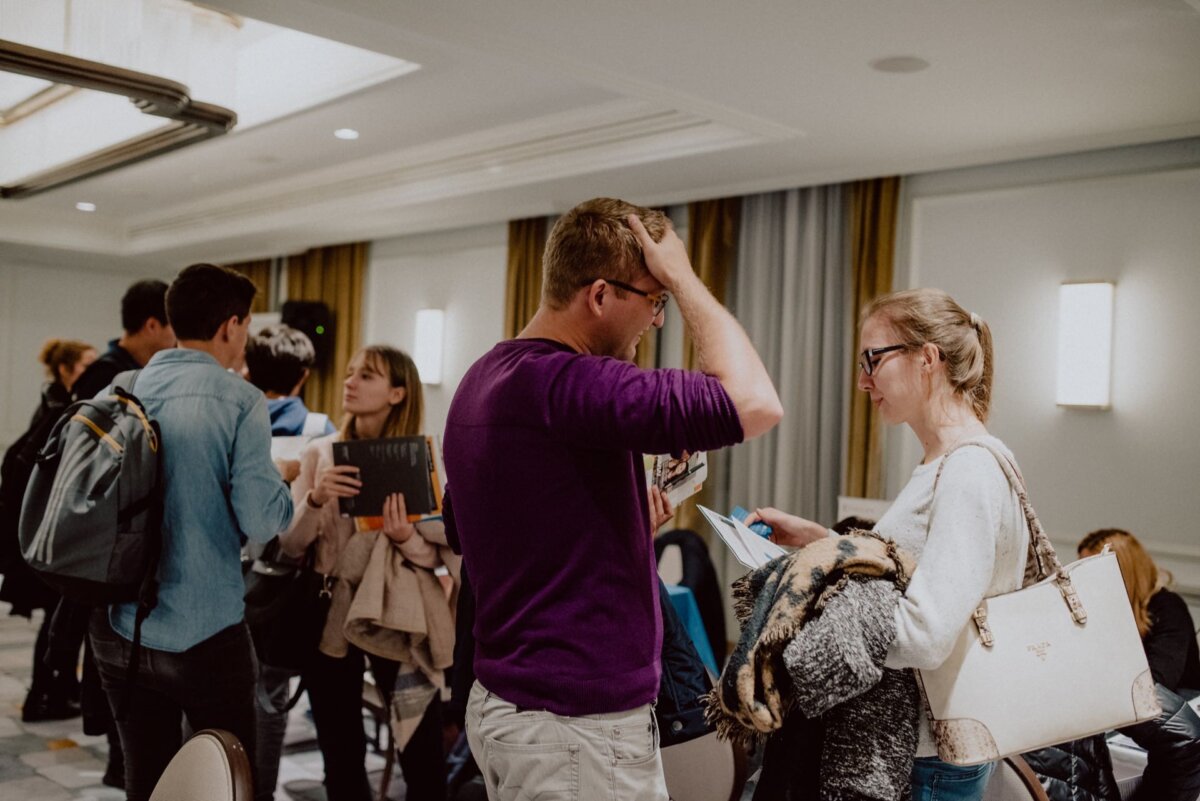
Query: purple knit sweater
point(543, 453)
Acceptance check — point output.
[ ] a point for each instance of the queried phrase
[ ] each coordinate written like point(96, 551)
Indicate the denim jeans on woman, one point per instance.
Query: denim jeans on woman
point(935, 780)
point(211, 684)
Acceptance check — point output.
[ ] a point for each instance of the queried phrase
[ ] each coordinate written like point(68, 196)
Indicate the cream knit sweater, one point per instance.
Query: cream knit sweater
point(970, 542)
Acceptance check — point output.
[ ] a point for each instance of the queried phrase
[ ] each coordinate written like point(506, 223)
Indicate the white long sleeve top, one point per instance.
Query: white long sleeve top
point(970, 542)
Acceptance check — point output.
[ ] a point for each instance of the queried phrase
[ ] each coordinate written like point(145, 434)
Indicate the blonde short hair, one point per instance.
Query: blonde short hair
point(591, 241)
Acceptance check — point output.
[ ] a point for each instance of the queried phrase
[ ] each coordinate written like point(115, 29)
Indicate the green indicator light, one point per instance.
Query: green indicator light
point(320, 329)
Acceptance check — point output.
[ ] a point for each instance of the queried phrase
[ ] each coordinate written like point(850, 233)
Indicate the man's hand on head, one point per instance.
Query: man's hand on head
point(667, 260)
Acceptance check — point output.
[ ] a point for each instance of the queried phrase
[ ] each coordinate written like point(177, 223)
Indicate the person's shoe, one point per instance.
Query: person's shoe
point(43, 707)
point(114, 778)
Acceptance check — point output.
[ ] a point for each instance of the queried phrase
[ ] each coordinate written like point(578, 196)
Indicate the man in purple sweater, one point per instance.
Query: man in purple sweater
point(543, 449)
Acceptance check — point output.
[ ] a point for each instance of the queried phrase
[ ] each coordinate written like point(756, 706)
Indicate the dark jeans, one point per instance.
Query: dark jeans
point(211, 683)
point(335, 691)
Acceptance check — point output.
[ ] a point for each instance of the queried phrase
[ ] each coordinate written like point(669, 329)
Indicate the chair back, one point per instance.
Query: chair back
point(1014, 780)
point(704, 769)
point(211, 766)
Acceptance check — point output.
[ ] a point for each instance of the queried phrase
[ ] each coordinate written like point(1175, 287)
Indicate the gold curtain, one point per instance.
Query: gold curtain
point(712, 246)
point(260, 273)
point(873, 217)
point(333, 275)
point(523, 292)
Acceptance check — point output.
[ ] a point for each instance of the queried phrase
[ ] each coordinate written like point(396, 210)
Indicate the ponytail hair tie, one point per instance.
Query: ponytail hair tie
point(975, 322)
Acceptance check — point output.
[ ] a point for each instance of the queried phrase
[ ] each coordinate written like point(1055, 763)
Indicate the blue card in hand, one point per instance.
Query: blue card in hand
point(760, 528)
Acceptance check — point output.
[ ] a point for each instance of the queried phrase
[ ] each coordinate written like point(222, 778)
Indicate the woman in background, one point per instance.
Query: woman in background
point(382, 398)
point(1171, 741)
point(51, 696)
point(927, 363)
point(1162, 617)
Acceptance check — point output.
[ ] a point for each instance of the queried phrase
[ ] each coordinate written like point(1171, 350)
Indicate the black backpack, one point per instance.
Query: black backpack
point(91, 520)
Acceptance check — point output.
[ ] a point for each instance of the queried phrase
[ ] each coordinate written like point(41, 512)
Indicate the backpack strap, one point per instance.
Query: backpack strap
point(126, 380)
point(148, 592)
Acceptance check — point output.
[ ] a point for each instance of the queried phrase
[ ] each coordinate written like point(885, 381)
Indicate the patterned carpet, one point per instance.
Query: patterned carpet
point(55, 761)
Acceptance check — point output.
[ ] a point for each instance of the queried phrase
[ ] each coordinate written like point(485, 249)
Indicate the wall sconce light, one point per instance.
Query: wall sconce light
point(1085, 325)
point(427, 347)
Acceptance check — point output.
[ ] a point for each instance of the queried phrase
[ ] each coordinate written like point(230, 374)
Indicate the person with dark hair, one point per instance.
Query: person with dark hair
point(53, 694)
point(278, 361)
point(544, 444)
point(219, 489)
point(146, 332)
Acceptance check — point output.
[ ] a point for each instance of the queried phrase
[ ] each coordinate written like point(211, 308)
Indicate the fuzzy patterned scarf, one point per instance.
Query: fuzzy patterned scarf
point(772, 603)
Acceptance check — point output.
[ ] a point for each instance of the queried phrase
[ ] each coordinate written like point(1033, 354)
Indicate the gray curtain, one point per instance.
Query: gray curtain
point(792, 297)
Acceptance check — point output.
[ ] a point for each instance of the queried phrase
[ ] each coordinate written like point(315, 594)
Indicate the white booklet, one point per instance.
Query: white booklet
point(748, 548)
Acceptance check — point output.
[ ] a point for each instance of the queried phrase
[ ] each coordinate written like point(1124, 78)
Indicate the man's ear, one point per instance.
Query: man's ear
point(596, 295)
point(223, 333)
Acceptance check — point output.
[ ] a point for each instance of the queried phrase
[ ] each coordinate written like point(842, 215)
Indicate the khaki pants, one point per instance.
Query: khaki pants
point(539, 755)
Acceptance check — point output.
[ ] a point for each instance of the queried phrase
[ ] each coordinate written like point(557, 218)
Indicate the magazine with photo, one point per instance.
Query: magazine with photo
point(409, 465)
point(678, 478)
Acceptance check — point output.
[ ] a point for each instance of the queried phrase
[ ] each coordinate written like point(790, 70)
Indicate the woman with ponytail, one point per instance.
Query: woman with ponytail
point(51, 696)
point(927, 363)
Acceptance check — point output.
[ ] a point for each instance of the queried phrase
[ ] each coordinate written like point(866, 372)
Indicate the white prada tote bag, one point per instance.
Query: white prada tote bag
point(1054, 661)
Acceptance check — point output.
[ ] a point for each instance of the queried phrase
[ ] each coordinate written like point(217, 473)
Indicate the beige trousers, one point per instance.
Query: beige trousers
point(538, 755)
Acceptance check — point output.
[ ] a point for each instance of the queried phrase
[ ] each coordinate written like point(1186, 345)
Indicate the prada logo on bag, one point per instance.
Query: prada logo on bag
point(1039, 649)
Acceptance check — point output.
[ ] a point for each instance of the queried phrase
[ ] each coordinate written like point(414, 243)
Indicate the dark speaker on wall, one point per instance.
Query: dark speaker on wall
point(315, 320)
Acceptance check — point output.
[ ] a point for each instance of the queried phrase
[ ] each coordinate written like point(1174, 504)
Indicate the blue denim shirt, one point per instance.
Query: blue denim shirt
point(221, 488)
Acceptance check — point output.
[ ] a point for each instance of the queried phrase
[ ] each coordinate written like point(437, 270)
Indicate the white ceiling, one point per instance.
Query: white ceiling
point(528, 107)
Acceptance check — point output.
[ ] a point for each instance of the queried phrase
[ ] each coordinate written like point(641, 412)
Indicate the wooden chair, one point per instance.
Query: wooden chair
point(211, 766)
point(374, 703)
point(704, 769)
point(1014, 780)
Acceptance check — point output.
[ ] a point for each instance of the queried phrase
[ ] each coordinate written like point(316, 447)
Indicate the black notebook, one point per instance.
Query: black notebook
point(399, 464)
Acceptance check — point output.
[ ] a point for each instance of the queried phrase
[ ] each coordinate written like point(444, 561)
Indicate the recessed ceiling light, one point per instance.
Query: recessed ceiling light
point(900, 64)
point(83, 205)
point(346, 133)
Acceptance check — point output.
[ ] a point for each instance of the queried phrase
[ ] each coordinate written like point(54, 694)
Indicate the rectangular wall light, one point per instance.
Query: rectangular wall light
point(1085, 328)
point(427, 347)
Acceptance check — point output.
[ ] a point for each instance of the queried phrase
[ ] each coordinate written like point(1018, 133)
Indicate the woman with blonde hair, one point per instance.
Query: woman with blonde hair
point(927, 363)
point(1162, 617)
point(382, 398)
point(52, 695)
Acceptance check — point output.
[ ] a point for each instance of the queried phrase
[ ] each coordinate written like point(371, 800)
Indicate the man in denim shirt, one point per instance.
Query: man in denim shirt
point(220, 490)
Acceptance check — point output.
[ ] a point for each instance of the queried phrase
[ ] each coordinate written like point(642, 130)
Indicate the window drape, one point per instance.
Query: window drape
point(333, 275)
point(523, 290)
point(873, 211)
point(258, 271)
point(712, 243)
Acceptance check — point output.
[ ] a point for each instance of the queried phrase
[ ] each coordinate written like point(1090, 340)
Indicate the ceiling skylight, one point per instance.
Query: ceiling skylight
point(261, 72)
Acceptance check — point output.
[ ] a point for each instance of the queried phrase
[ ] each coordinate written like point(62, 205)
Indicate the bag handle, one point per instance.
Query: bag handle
point(1044, 562)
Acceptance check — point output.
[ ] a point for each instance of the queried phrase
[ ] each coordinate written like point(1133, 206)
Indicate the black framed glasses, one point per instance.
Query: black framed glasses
point(658, 300)
point(868, 360)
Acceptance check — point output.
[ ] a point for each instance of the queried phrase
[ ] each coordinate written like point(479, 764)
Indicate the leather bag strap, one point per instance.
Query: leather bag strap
point(1043, 562)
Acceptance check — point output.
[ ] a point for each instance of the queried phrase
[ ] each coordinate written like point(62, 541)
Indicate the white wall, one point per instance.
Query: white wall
point(1001, 241)
point(39, 302)
point(462, 272)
